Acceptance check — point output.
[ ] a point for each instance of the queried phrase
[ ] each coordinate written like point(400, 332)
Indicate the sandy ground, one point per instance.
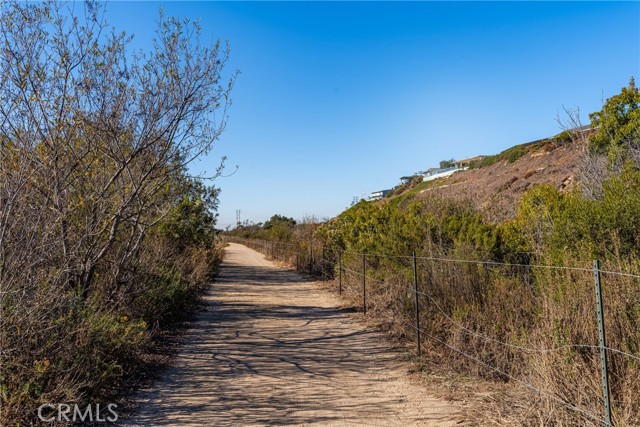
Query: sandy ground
point(275, 349)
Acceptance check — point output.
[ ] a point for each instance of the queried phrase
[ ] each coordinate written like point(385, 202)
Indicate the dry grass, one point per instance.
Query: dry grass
point(530, 331)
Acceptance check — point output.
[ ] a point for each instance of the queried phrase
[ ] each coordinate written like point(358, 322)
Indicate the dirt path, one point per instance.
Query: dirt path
point(274, 349)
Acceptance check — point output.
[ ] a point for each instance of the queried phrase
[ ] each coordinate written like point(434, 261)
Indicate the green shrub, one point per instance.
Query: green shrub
point(514, 153)
point(517, 305)
point(487, 161)
point(110, 349)
point(166, 296)
point(562, 138)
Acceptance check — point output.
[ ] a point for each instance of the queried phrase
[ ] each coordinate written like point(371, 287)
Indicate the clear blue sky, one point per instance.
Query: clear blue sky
point(339, 98)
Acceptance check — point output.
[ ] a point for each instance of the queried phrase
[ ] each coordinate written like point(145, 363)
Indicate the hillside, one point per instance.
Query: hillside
point(503, 288)
point(497, 188)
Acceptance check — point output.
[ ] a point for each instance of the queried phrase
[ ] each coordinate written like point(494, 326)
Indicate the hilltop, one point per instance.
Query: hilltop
point(496, 183)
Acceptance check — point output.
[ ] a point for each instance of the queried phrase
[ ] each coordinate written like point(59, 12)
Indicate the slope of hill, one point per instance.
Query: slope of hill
point(497, 187)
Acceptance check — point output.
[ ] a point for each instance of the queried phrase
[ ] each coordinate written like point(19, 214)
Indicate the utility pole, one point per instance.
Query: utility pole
point(238, 217)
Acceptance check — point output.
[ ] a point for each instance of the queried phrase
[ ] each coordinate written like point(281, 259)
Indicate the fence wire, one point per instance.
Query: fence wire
point(515, 346)
point(331, 264)
point(568, 405)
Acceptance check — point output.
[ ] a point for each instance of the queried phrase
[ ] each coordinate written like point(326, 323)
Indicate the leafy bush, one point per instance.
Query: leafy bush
point(617, 125)
point(562, 138)
point(278, 227)
point(103, 229)
point(487, 161)
point(514, 153)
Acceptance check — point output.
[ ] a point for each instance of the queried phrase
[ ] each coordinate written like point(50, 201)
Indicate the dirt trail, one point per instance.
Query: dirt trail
point(274, 349)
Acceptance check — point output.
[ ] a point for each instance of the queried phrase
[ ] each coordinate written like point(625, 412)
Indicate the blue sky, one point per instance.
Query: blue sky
point(339, 98)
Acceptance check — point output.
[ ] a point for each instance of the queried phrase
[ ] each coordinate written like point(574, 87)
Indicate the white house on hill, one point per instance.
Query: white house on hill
point(377, 195)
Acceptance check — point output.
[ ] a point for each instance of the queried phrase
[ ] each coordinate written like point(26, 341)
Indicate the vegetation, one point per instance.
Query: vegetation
point(563, 138)
point(408, 185)
point(512, 154)
point(103, 235)
point(278, 227)
point(509, 155)
point(617, 126)
point(491, 299)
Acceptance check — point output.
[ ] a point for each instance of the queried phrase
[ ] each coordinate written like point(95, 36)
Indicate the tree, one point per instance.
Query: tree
point(279, 220)
point(617, 126)
point(191, 221)
point(279, 227)
point(105, 135)
point(95, 141)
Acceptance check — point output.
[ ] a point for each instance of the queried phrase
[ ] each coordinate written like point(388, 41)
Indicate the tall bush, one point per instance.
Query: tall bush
point(102, 232)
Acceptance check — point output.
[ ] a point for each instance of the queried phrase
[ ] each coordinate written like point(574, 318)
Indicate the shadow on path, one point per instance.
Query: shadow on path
point(274, 349)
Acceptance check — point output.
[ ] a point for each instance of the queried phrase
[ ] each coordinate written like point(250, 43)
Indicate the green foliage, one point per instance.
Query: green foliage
point(105, 228)
point(487, 161)
point(419, 187)
point(562, 138)
point(514, 153)
point(406, 225)
point(167, 296)
point(617, 124)
point(509, 155)
point(561, 225)
point(191, 221)
point(279, 220)
point(278, 227)
point(110, 349)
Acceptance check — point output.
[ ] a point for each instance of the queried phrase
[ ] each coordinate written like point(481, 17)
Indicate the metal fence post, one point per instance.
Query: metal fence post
point(340, 273)
point(364, 283)
point(415, 287)
point(603, 344)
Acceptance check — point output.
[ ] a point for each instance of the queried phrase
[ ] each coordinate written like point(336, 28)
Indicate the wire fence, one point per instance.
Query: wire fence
point(418, 285)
